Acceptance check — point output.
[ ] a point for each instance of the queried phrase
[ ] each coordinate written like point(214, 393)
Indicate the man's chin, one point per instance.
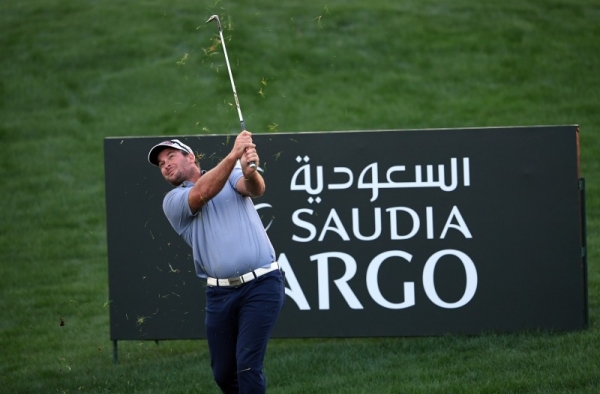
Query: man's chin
point(175, 181)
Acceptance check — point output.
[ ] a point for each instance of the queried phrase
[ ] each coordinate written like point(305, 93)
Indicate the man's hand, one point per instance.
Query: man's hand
point(212, 182)
point(251, 155)
point(252, 184)
point(243, 142)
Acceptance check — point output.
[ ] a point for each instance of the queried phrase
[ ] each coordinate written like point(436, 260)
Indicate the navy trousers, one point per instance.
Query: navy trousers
point(239, 321)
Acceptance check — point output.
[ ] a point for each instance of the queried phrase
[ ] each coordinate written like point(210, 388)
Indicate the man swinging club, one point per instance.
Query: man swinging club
point(213, 212)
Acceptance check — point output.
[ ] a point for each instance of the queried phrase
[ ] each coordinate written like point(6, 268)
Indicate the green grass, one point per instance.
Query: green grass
point(73, 72)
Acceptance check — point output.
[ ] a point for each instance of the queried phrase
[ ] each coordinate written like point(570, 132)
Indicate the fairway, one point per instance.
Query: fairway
point(75, 72)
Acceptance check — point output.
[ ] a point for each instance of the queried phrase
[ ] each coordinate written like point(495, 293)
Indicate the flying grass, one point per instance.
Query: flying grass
point(74, 72)
point(181, 62)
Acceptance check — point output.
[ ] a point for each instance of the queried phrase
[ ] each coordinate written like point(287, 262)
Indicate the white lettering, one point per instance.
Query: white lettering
point(461, 226)
point(312, 230)
point(294, 291)
point(356, 225)
point(412, 224)
point(339, 227)
point(394, 225)
point(429, 218)
point(341, 283)
point(429, 284)
point(373, 284)
point(307, 184)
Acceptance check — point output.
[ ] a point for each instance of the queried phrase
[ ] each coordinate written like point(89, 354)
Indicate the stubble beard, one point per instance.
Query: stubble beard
point(177, 178)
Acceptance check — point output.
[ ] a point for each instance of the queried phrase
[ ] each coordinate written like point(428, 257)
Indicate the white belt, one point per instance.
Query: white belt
point(238, 280)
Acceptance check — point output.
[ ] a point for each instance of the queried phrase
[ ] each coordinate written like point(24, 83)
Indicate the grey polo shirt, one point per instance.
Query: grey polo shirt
point(226, 235)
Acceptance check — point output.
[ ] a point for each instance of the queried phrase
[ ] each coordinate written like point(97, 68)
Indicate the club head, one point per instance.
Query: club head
point(212, 18)
point(215, 18)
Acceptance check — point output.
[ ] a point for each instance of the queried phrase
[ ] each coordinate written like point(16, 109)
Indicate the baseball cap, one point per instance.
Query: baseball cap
point(175, 144)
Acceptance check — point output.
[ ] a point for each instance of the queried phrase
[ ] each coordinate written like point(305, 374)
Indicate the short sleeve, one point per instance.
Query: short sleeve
point(177, 209)
point(235, 175)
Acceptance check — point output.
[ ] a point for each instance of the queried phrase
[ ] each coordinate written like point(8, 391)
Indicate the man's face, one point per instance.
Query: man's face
point(175, 166)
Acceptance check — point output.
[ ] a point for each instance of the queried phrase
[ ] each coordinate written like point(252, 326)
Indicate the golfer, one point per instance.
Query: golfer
point(213, 212)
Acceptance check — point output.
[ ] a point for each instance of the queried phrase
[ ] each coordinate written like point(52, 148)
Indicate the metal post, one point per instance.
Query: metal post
point(115, 352)
point(584, 250)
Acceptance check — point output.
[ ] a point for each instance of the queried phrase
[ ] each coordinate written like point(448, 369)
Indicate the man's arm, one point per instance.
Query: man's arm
point(252, 183)
point(212, 182)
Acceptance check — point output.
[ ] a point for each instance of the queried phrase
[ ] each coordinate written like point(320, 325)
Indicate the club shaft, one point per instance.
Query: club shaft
point(235, 96)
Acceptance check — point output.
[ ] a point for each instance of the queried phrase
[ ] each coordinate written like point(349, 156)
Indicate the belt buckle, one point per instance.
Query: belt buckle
point(235, 282)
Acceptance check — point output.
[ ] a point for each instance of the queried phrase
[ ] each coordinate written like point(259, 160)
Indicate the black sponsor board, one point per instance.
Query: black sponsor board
point(380, 233)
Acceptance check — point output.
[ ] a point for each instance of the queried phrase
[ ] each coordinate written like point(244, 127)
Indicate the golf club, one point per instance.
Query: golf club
point(237, 102)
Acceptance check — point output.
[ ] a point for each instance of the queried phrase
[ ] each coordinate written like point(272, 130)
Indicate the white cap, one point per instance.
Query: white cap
point(175, 144)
